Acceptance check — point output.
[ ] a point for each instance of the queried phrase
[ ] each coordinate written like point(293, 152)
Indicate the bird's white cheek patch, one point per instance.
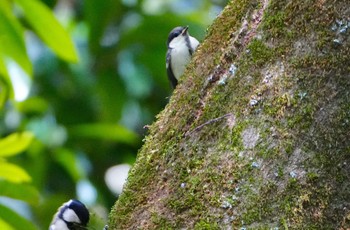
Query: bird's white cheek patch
point(70, 216)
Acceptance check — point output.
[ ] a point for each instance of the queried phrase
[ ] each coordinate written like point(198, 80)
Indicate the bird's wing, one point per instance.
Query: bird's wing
point(171, 76)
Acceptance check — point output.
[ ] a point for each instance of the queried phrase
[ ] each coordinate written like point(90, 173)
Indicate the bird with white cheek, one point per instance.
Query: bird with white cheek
point(72, 215)
point(181, 46)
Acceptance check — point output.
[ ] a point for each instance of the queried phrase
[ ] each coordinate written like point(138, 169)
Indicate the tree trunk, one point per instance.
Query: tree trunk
point(257, 133)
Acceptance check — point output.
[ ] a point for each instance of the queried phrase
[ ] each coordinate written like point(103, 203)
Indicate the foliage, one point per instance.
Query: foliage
point(14, 180)
point(78, 106)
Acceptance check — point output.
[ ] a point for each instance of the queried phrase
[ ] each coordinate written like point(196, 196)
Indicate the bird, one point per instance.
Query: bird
point(72, 215)
point(181, 46)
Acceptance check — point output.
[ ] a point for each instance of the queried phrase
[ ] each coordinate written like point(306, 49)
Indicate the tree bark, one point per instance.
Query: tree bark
point(257, 133)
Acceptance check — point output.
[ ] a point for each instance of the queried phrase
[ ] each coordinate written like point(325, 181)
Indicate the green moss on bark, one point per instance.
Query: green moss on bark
point(280, 156)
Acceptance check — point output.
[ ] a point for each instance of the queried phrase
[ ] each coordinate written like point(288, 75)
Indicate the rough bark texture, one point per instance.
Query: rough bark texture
point(257, 133)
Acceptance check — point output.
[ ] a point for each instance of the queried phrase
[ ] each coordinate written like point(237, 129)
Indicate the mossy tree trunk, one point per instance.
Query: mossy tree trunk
point(257, 133)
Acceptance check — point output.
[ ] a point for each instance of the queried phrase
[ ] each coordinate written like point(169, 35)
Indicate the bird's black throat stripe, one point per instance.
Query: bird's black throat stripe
point(62, 210)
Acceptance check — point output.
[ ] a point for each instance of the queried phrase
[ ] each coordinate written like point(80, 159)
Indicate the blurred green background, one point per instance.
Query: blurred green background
point(74, 101)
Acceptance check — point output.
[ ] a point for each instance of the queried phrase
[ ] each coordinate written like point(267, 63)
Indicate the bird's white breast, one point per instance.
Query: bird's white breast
point(180, 55)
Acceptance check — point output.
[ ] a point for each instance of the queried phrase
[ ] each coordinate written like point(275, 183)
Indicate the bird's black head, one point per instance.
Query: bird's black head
point(81, 211)
point(180, 30)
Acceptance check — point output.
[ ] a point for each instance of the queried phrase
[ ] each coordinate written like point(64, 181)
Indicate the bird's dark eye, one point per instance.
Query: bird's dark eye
point(174, 33)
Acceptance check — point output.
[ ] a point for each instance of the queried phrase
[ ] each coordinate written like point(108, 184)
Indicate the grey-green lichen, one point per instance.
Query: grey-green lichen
point(280, 158)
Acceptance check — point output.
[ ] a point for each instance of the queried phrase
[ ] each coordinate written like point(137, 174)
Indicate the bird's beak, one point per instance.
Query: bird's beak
point(184, 31)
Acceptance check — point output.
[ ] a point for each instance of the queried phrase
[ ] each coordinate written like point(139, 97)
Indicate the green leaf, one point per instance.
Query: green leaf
point(13, 219)
point(4, 94)
point(12, 41)
point(15, 143)
point(4, 225)
point(3, 71)
point(6, 88)
point(40, 17)
point(13, 173)
point(23, 192)
point(34, 104)
point(112, 132)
